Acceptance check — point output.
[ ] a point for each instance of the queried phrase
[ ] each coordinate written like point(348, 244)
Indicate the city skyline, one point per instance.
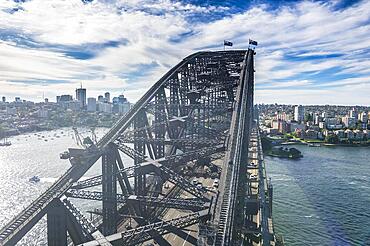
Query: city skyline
point(309, 52)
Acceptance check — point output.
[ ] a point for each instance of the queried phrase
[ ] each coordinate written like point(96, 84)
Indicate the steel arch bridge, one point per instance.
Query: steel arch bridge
point(198, 113)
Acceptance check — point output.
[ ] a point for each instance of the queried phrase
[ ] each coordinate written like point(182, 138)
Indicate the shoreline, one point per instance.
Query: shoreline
point(325, 144)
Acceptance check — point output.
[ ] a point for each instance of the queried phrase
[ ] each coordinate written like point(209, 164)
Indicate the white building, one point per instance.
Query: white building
point(299, 113)
point(363, 117)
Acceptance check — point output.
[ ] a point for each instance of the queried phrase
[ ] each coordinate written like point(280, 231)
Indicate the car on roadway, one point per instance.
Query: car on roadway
point(216, 183)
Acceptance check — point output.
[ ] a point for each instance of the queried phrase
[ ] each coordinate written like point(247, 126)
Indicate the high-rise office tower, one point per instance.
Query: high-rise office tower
point(107, 97)
point(100, 98)
point(81, 96)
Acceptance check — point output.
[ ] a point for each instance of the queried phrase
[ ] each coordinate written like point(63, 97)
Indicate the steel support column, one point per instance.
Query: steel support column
point(57, 224)
point(109, 189)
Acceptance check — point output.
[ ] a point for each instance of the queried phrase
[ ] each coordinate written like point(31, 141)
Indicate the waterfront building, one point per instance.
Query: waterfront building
point(122, 99)
point(64, 98)
point(363, 117)
point(349, 134)
point(353, 113)
point(295, 125)
point(358, 135)
point(43, 113)
point(316, 119)
point(280, 125)
point(107, 97)
point(115, 100)
point(340, 134)
point(311, 134)
point(349, 121)
point(104, 107)
point(334, 127)
point(73, 105)
point(124, 108)
point(81, 96)
point(299, 113)
point(100, 98)
point(91, 104)
point(282, 116)
point(322, 125)
point(11, 111)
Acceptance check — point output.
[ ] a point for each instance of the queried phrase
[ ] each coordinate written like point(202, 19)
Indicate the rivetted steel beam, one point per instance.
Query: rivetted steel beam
point(200, 141)
point(160, 170)
point(126, 121)
point(148, 168)
point(140, 234)
point(193, 204)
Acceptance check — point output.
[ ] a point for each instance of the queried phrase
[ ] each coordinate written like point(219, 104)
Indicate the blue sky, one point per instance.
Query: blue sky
point(309, 52)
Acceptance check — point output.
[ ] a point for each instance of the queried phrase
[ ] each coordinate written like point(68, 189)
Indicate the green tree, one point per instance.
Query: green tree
point(332, 139)
point(308, 117)
point(266, 144)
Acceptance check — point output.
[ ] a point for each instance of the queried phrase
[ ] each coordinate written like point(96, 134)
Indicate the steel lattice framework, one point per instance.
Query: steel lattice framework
point(200, 109)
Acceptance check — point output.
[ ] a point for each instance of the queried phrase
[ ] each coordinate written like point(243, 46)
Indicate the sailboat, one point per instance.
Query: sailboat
point(5, 141)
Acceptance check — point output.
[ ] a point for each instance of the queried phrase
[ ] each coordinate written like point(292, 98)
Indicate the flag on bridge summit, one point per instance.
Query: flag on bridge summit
point(252, 42)
point(227, 43)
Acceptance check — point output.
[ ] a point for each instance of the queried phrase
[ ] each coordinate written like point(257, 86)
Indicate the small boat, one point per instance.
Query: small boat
point(65, 155)
point(6, 143)
point(34, 179)
point(314, 144)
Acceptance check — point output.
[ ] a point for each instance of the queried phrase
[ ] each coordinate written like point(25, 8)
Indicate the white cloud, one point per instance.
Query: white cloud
point(301, 30)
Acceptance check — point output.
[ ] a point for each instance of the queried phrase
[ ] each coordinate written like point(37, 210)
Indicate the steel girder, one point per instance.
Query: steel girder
point(177, 203)
point(142, 233)
point(149, 167)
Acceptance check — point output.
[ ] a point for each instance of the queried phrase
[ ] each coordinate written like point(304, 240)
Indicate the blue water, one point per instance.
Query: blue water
point(31, 155)
point(323, 198)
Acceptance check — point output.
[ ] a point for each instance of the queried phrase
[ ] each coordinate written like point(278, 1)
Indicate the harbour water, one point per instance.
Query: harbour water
point(323, 198)
point(31, 155)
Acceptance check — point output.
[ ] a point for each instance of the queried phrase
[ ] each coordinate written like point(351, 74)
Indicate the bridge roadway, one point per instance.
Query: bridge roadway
point(258, 193)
